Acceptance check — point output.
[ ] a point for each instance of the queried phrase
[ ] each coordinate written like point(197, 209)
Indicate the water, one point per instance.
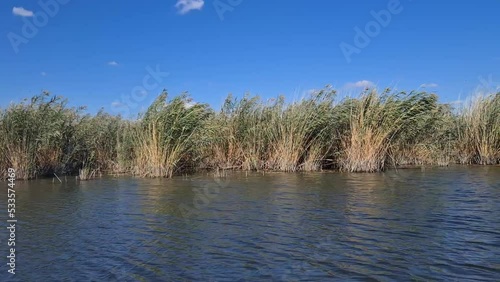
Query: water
point(412, 224)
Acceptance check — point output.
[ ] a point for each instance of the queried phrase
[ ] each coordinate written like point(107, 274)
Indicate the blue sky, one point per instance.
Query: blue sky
point(97, 53)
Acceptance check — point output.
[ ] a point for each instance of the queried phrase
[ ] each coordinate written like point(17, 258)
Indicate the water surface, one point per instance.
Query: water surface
point(411, 224)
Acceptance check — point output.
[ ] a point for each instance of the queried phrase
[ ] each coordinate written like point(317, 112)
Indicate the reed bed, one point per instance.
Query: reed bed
point(297, 133)
point(35, 134)
point(478, 130)
point(378, 123)
point(164, 140)
point(250, 134)
point(42, 135)
point(86, 173)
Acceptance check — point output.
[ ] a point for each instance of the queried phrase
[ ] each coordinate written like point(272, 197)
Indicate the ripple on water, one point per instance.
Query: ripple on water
point(433, 224)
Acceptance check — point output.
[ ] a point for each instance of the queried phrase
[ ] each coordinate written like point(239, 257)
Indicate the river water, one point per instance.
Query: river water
point(407, 224)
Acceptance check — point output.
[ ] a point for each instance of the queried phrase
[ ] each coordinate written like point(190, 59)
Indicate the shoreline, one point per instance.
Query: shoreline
point(371, 133)
point(227, 173)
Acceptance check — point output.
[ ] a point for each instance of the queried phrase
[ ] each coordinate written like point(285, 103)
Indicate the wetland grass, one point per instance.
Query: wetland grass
point(42, 135)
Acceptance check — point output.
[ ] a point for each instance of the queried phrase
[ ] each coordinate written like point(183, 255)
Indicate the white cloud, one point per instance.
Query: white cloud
point(117, 104)
point(360, 84)
point(113, 63)
point(189, 104)
point(311, 91)
point(20, 11)
point(488, 84)
point(185, 6)
point(43, 73)
point(429, 85)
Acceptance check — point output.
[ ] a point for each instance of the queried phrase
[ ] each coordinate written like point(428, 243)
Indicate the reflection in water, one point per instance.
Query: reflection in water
point(433, 224)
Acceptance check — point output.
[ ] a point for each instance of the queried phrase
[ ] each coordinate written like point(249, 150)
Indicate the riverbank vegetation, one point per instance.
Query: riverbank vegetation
point(43, 135)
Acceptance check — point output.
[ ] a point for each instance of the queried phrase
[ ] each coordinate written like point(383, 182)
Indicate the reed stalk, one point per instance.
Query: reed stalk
point(42, 135)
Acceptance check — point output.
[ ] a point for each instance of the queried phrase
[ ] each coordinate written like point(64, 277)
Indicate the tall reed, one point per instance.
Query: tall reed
point(98, 138)
point(235, 137)
point(42, 135)
point(376, 123)
point(431, 142)
point(35, 136)
point(253, 135)
point(297, 133)
point(164, 140)
point(478, 130)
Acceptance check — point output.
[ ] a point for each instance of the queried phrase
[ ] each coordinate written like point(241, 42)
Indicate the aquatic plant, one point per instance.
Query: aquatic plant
point(376, 123)
point(235, 136)
point(97, 146)
point(42, 135)
point(164, 140)
point(299, 133)
point(478, 130)
point(86, 173)
point(35, 136)
point(250, 134)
